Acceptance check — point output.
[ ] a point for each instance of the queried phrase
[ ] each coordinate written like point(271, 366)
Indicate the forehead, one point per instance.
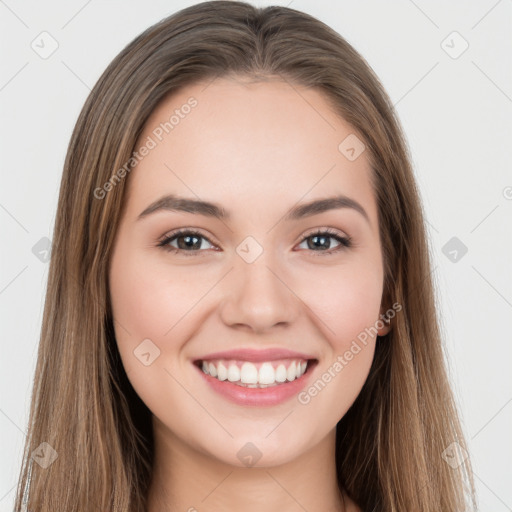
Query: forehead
point(231, 141)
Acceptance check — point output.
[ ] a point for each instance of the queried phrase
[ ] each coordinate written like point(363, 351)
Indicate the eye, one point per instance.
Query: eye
point(188, 241)
point(321, 239)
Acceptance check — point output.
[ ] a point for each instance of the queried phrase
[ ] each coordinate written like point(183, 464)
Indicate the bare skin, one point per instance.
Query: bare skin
point(256, 149)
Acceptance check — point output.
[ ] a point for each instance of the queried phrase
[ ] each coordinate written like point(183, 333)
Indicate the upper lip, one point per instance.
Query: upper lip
point(255, 355)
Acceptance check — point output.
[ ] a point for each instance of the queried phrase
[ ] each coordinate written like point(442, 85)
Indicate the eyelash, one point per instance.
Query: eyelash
point(345, 242)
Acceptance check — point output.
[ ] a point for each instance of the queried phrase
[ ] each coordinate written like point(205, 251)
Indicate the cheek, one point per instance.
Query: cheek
point(150, 303)
point(347, 300)
point(141, 305)
point(152, 300)
point(149, 298)
point(348, 308)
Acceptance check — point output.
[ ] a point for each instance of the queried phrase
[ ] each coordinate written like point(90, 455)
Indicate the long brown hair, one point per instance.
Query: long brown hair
point(90, 445)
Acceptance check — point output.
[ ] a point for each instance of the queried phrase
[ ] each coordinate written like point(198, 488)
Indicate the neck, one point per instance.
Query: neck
point(188, 480)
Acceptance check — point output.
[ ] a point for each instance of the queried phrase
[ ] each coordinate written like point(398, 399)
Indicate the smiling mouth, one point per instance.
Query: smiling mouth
point(262, 374)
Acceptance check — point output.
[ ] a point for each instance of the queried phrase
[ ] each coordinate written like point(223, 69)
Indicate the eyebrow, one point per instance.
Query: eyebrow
point(208, 209)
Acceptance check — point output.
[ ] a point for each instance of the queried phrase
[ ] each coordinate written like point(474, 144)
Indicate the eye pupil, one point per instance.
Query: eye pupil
point(187, 244)
point(325, 245)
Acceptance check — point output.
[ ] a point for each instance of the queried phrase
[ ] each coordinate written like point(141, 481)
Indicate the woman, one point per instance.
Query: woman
point(240, 311)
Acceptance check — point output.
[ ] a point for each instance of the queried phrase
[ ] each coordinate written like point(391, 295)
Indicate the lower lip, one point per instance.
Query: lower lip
point(260, 397)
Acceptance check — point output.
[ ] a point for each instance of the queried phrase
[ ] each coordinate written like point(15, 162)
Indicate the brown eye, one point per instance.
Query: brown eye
point(186, 241)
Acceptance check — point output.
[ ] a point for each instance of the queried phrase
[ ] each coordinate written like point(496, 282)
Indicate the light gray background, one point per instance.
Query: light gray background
point(456, 113)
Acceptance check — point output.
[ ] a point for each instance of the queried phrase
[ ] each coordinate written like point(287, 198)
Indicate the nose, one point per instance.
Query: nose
point(258, 297)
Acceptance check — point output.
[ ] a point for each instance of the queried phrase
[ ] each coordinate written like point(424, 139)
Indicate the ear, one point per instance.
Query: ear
point(383, 319)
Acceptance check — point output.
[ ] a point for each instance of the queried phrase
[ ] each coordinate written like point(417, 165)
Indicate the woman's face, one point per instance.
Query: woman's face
point(259, 279)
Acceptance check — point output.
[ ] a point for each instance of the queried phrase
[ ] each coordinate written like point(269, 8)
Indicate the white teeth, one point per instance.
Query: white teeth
point(250, 376)
point(267, 374)
point(291, 374)
point(233, 373)
point(281, 373)
point(222, 372)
